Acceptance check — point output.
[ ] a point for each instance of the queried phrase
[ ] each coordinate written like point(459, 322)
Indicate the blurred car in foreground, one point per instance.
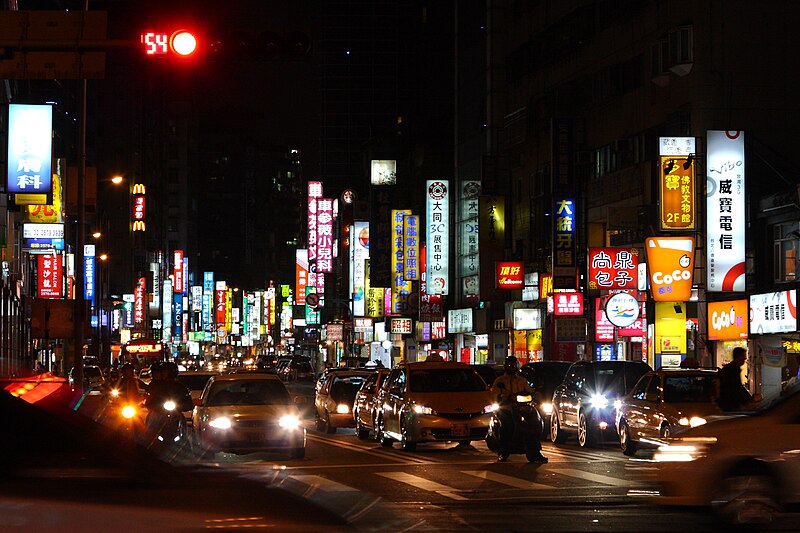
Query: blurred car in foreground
point(544, 377)
point(364, 408)
point(432, 402)
point(585, 403)
point(746, 467)
point(333, 403)
point(663, 401)
point(248, 412)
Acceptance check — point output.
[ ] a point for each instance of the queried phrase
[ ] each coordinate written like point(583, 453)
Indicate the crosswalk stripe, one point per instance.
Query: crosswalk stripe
point(322, 483)
point(424, 484)
point(506, 480)
point(589, 476)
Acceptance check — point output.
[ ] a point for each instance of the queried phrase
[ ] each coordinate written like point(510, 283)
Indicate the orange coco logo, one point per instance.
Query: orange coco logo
point(671, 263)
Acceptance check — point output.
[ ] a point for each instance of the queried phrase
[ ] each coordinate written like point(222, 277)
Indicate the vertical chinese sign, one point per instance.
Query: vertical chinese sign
point(401, 288)
point(51, 276)
point(564, 244)
point(438, 236)
point(725, 212)
point(676, 178)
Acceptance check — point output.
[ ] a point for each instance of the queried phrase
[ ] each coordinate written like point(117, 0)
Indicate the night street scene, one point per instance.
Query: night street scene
point(399, 266)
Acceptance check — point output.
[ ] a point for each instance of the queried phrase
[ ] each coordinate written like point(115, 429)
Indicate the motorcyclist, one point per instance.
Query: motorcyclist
point(505, 389)
point(131, 389)
point(164, 388)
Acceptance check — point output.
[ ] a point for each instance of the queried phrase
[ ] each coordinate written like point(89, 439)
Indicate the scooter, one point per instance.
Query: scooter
point(167, 424)
point(526, 435)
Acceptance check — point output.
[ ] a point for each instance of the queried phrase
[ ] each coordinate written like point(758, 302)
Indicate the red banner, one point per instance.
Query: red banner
point(51, 276)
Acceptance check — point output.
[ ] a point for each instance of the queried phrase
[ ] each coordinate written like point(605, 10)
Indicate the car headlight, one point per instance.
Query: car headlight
point(598, 401)
point(547, 408)
point(222, 422)
point(491, 408)
point(342, 408)
point(422, 410)
point(289, 422)
point(524, 398)
point(692, 422)
point(683, 450)
point(617, 404)
point(114, 392)
point(169, 405)
point(128, 411)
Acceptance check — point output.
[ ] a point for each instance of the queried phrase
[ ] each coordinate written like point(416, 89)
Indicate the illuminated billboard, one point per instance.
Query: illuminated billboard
point(564, 243)
point(360, 253)
point(613, 268)
point(677, 193)
point(437, 236)
point(671, 265)
point(30, 149)
point(401, 288)
point(728, 320)
point(726, 216)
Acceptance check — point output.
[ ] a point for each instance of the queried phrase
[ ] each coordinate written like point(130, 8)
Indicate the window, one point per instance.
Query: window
point(653, 393)
point(786, 238)
point(640, 388)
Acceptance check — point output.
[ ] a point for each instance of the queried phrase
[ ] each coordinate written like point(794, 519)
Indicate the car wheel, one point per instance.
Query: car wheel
point(584, 434)
point(297, 453)
point(319, 425)
point(405, 443)
point(556, 435)
point(329, 428)
point(666, 431)
point(747, 496)
point(626, 444)
point(361, 432)
point(385, 441)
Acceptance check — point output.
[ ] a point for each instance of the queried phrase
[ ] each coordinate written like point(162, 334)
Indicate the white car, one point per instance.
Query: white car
point(746, 466)
point(248, 412)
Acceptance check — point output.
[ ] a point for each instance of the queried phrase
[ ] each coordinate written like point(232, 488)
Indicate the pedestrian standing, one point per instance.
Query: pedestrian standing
point(732, 393)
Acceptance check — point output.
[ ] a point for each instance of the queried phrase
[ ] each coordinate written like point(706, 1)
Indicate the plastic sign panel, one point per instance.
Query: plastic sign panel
point(314, 194)
point(301, 275)
point(88, 272)
point(48, 213)
point(726, 216)
point(564, 243)
point(138, 207)
point(324, 235)
point(670, 264)
point(677, 182)
point(613, 268)
point(603, 329)
point(459, 321)
point(568, 303)
point(177, 270)
point(437, 235)
point(401, 288)
point(403, 326)
point(773, 312)
point(30, 149)
point(622, 309)
point(383, 172)
point(42, 231)
point(526, 319)
point(509, 275)
point(411, 247)
point(360, 253)
point(139, 293)
point(50, 276)
point(728, 320)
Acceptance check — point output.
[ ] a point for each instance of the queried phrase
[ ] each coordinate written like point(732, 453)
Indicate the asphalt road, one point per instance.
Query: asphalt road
point(444, 487)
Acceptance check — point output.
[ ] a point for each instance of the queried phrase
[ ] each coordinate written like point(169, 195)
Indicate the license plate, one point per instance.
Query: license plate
point(460, 430)
point(256, 437)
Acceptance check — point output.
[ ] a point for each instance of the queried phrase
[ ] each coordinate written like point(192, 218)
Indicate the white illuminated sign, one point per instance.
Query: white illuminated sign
point(437, 232)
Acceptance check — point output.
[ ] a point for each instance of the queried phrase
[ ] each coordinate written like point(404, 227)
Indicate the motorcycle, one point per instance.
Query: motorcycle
point(526, 434)
point(167, 424)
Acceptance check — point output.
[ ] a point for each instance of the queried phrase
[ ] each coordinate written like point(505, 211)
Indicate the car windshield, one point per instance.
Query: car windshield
point(345, 388)
point(194, 381)
point(688, 389)
point(241, 392)
point(92, 372)
point(617, 379)
point(446, 380)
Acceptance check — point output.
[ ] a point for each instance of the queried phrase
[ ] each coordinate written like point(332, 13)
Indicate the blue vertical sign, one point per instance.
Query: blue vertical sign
point(30, 149)
point(177, 315)
point(88, 273)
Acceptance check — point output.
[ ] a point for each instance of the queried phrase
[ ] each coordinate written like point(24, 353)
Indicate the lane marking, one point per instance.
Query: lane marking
point(511, 481)
point(323, 483)
point(424, 484)
point(589, 476)
point(378, 452)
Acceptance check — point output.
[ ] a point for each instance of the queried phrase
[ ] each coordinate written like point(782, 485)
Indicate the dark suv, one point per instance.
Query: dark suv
point(586, 401)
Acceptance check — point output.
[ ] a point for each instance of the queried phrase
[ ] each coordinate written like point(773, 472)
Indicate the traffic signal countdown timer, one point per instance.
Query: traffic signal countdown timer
point(181, 43)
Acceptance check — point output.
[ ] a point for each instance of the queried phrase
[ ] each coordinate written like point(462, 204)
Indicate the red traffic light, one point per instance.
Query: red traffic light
point(181, 43)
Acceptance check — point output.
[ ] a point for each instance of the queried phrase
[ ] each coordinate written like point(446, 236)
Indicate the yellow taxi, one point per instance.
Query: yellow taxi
point(433, 402)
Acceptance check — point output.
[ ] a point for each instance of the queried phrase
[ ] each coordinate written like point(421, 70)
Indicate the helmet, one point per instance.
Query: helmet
point(127, 367)
point(156, 369)
point(170, 369)
point(511, 363)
